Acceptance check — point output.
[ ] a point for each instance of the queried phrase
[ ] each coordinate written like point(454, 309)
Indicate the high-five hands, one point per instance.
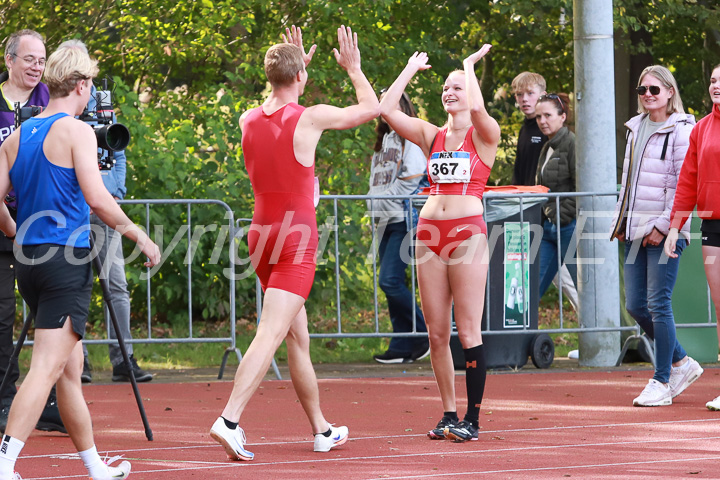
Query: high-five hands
point(475, 57)
point(348, 55)
point(294, 35)
point(419, 60)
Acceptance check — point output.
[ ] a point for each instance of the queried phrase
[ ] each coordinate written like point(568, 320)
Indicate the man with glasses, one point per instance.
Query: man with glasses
point(25, 62)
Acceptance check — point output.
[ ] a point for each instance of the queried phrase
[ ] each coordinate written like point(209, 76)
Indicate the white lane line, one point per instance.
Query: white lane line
point(380, 437)
point(464, 452)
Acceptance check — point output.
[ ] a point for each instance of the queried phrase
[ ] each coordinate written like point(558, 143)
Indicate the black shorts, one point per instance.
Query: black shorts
point(711, 239)
point(56, 287)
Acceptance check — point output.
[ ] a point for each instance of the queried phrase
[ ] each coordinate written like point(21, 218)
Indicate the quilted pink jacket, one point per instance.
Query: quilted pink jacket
point(648, 199)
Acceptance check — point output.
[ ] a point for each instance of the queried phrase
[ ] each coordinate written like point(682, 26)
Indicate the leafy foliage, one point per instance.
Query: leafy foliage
point(184, 73)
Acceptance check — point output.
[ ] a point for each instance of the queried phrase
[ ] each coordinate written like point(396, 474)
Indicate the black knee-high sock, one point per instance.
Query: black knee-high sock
point(474, 381)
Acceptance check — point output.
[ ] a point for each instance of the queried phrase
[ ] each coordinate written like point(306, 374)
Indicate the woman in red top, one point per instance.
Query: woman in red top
point(698, 185)
point(452, 256)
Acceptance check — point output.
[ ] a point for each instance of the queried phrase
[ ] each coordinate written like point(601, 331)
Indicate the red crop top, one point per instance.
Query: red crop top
point(459, 172)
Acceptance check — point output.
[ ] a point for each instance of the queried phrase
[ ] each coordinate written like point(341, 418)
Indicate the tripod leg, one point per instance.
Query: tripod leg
point(18, 347)
point(121, 343)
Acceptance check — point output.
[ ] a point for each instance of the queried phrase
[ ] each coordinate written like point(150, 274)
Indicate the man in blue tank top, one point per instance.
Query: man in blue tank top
point(51, 162)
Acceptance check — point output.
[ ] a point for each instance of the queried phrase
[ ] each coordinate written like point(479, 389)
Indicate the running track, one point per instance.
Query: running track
point(534, 425)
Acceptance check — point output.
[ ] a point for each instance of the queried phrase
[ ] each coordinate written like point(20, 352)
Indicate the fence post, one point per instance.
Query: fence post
point(594, 93)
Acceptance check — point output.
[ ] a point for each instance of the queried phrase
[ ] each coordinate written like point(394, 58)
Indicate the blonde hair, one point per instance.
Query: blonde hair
point(664, 76)
point(526, 80)
point(66, 66)
point(282, 63)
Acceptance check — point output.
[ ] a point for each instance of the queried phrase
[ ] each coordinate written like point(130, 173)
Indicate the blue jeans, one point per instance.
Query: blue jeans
point(393, 282)
point(649, 282)
point(549, 253)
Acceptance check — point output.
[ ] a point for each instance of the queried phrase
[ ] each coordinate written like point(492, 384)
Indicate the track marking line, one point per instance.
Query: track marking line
point(444, 453)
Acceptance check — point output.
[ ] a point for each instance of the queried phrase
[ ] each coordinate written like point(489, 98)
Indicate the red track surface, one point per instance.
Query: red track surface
point(576, 424)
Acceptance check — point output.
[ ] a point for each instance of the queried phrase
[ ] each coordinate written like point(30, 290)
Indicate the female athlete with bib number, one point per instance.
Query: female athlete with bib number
point(452, 257)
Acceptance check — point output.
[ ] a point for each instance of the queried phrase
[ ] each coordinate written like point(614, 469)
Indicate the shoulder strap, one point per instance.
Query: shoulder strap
point(665, 145)
point(433, 142)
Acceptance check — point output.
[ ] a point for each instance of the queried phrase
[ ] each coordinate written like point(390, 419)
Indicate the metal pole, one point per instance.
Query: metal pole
point(121, 341)
point(595, 112)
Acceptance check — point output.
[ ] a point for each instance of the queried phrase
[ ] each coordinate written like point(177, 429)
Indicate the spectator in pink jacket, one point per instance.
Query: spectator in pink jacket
point(656, 144)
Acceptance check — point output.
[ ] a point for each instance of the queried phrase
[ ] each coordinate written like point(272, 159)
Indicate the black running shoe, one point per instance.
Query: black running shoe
point(121, 373)
point(392, 357)
point(86, 375)
point(438, 433)
point(462, 432)
point(50, 420)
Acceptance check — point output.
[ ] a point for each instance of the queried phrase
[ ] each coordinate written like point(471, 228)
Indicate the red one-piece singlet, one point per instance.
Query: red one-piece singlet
point(283, 236)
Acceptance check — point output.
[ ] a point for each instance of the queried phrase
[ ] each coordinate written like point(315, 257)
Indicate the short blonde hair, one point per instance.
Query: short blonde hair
point(526, 80)
point(282, 62)
point(665, 77)
point(66, 66)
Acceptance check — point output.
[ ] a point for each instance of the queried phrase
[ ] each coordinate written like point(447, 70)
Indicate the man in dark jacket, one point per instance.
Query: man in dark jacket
point(25, 61)
point(527, 88)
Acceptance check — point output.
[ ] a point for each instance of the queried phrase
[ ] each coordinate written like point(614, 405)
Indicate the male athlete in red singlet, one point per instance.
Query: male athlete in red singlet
point(279, 140)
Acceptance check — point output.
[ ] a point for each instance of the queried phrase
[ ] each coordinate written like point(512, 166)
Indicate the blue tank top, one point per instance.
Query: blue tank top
point(51, 207)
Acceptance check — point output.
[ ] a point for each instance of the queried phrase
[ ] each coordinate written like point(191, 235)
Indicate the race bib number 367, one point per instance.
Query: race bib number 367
point(449, 167)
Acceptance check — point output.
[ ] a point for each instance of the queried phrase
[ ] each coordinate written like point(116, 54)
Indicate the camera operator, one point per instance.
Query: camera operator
point(111, 257)
point(56, 179)
point(25, 61)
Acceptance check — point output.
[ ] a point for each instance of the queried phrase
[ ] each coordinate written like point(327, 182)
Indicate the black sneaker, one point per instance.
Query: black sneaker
point(438, 433)
point(86, 375)
point(462, 432)
point(50, 420)
point(121, 373)
point(4, 412)
point(392, 357)
point(420, 352)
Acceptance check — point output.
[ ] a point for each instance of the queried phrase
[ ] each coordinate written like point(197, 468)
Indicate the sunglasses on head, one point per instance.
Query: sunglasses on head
point(554, 97)
point(642, 89)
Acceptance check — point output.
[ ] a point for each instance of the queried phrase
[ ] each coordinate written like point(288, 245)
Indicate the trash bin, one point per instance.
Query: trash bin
point(512, 302)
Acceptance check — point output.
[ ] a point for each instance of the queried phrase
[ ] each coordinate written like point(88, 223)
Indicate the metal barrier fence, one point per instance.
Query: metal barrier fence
point(330, 226)
point(191, 230)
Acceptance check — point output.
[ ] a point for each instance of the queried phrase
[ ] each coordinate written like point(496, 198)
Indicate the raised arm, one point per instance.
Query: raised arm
point(418, 131)
point(84, 148)
point(487, 130)
point(294, 35)
point(327, 117)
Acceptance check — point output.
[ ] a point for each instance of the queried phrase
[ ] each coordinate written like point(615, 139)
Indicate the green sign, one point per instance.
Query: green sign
point(517, 278)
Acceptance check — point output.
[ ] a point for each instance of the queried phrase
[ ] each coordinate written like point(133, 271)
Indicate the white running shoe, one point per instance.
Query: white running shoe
point(233, 441)
point(338, 436)
point(121, 471)
point(655, 394)
point(713, 404)
point(681, 377)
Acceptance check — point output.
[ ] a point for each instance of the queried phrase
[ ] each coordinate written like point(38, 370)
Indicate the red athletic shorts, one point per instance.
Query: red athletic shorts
point(444, 236)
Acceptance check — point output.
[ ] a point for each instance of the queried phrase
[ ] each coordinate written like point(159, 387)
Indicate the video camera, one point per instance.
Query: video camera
point(111, 137)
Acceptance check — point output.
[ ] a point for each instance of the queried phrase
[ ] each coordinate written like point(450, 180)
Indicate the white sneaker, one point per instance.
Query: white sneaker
point(681, 377)
point(338, 436)
point(121, 471)
point(233, 441)
point(655, 394)
point(713, 404)
point(574, 354)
